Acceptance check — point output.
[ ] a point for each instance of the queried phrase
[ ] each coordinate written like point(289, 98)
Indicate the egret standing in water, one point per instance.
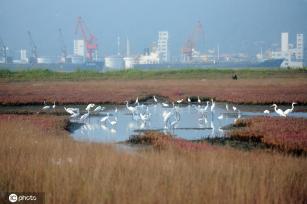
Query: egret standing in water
point(98, 109)
point(198, 100)
point(234, 108)
point(189, 100)
point(212, 105)
point(89, 106)
point(53, 105)
point(266, 112)
point(155, 99)
point(137, 101)
point(130, 108)
point(279, 111)
point(165, 105)
point(46, 107)
point(286, 112)
point(180, 101)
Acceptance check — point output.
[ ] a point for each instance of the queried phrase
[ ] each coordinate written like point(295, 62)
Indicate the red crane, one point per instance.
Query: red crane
point(90, 41)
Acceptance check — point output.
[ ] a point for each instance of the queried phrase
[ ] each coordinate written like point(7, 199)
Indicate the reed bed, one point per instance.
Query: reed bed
point(36, 154)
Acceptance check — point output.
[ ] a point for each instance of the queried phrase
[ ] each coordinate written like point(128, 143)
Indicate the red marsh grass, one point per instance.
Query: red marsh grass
point(34, 158)
point(253, 91)
point(162, 141)
point(287, 134)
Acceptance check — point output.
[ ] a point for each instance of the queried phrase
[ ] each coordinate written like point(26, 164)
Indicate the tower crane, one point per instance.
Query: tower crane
point(63, 46)
point(90, 40)
point(33, 57)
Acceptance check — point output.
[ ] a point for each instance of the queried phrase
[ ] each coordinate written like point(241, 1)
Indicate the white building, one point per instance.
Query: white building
point(115, 62)
point(23, 56)
point(300, 47)
point(284, 42)
point(151, 58)
point(129, 61)
point(79, 48)
point(162, 46)
point(293, 57)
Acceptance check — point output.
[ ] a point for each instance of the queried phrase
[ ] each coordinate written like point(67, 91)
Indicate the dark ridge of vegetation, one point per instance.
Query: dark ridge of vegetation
point(210, 73)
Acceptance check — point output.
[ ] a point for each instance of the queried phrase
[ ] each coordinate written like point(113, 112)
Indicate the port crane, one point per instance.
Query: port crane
point(195, 38)
point(63, 46)
point(90, 40)
point(33, 57)
point(3, 50)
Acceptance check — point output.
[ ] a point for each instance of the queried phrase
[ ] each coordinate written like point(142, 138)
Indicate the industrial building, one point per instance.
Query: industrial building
point(293, 57)
point(162, 46)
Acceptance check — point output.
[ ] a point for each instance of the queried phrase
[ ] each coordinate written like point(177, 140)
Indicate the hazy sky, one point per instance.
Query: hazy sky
point(237, 25)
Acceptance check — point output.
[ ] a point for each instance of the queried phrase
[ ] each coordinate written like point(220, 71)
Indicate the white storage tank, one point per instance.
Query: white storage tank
point(44, 60)
point(129, 62)
point(114, 62)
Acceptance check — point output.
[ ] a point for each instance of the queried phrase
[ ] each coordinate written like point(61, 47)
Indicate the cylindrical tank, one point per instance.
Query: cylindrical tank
point(129, 62)
point(114, 62)
point(44, 60)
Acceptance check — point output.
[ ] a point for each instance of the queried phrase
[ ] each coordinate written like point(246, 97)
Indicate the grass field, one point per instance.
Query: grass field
point(36, 154)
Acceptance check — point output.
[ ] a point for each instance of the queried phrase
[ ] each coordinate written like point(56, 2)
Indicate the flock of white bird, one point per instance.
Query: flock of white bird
point(140, 112)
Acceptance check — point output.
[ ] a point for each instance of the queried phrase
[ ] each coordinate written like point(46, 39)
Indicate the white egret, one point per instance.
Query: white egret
point(53, 105)
point(74, 115)
point(72, 111)
point(99, 108)
point(189, 100)
point(45, 107)
point(69, 110)
point(165, 105)
point(279, 111)
point(180, 101)
point(234, 108)
point(227, 108)
point(198, 100)
point(137, 100)
point(266, 112)
point(130, 108)
point(212, 105)
point(286, 112)
point(89, 106)
point(154, 98)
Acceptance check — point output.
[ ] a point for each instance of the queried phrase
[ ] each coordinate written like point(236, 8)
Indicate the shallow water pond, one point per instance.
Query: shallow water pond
point(185, 122)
